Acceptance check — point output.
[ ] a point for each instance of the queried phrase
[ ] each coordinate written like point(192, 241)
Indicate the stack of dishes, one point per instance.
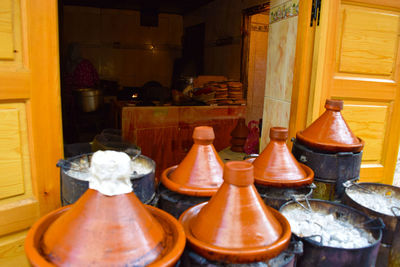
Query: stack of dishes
point(235, 91)
point(221, 93)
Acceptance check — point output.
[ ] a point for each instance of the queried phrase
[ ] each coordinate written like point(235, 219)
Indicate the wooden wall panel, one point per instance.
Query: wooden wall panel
point(369, 41)
point(369, 122)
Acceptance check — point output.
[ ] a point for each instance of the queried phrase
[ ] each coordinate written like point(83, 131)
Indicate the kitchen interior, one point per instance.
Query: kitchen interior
point(157, 69)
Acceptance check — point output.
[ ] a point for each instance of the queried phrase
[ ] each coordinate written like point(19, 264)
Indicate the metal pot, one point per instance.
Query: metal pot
point(275, 197)
point(89, 99)
point(287, 258)
point(175, 203)
point(391, 237)
point(315, 254)
point(72, 187)
point(331, 170)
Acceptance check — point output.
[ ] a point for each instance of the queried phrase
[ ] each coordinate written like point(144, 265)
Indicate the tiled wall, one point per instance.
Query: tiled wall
point(257, 66)
point(120, 48)
point(280, 65)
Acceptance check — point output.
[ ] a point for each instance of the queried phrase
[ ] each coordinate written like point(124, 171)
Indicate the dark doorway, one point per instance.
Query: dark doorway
point(193, 48)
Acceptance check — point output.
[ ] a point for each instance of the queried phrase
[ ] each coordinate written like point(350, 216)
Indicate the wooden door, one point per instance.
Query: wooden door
point(356, 58)
point(30, 120)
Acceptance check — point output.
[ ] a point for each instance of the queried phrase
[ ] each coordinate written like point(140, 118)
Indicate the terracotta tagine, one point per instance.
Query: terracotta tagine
point(200, 172)
point(106, 227)
point(236, 226)
point(330, 132)
point(239, 135)
point(277, 167)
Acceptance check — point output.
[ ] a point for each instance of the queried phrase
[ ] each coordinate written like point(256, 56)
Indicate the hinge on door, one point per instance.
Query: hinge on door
point(315, 12)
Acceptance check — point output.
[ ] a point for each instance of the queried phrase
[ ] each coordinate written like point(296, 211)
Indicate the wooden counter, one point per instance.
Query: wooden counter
point(165, 133)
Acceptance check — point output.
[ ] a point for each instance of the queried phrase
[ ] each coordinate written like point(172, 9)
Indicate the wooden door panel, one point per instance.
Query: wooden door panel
point(12, 250)
point(18, 206)
point(11, 160)
point(30, 125)
point(366, 77)
point(356, 58)
point(369, 121)
point(368, 41)
point(6, 30)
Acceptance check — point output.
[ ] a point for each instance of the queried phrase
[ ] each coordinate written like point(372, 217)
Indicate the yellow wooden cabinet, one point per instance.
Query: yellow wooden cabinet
point(355, 57)
point(30, 120)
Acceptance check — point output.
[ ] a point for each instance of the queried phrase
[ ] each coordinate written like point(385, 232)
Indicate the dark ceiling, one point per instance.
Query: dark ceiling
point(162, 6)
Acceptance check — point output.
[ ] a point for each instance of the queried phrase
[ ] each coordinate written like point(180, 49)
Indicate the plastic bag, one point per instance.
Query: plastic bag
point(251, 144)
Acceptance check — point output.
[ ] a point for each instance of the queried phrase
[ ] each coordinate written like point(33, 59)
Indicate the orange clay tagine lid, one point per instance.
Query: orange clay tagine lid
point(235, 226)
point(277, 167)
point(330, 132)
point(107, 226)
point(200, 172)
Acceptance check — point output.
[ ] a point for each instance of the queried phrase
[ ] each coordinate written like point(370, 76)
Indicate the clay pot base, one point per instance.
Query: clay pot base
point(330, 147)
point(283, 182)
point(240, 255)
point(183, 189)
point(173, 244)
point(175, 203)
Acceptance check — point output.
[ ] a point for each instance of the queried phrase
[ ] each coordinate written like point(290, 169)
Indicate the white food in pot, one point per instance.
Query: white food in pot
point(80, 168)
point(326, 229)
point(110, 172)
point(378, 201)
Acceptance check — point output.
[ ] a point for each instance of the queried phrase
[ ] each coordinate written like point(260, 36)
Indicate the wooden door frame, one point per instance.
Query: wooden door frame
point(302, 69)
point(44, 106)
point(245, 47)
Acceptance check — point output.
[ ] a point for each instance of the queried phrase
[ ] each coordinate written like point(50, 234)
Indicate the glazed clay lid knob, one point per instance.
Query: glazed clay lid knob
point(203, 135)
point(332, 104)
point(238, 173)
point(108, 225)
point(278, 133)
point(200, 172)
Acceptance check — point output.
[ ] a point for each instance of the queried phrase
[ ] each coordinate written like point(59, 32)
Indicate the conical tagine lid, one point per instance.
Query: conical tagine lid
point(235, 225)
point(276, 166)
point(330, 131)
point(107, 226)
point(241, 130)
point(200, 172)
